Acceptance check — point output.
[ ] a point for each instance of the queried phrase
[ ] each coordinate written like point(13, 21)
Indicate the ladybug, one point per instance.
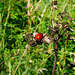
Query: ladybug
point(39, 37)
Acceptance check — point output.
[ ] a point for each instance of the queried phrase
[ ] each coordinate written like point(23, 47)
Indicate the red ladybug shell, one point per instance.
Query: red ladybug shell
point(38, 37)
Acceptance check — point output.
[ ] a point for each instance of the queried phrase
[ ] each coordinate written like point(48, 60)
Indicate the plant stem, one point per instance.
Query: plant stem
point(56, 51)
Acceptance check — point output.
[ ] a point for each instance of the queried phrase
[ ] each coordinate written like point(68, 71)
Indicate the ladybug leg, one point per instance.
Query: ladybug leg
point(39, 42)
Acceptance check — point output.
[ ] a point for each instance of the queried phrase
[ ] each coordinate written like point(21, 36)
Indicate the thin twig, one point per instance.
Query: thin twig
point(27, 47)
point(56, 51)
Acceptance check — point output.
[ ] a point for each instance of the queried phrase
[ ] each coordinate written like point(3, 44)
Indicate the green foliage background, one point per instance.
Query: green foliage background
point(14, 26)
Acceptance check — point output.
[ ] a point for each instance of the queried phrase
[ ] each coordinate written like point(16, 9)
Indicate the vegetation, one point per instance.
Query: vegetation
point(21, 17)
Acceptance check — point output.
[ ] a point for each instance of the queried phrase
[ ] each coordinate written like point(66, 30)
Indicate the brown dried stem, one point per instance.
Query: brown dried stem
point(28, 5)
point(37, 6)
point(56, 51)
point(27, 47)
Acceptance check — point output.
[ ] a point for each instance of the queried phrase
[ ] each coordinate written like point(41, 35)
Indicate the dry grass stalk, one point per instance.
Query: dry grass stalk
point(70, 5)
point(43, 12)
point(27, 47)
point(41, 17)
point(28, 5)
point(31, 8)
point(74, 56)
point(65, 6)
point(33, 19)
point(37, 6)
point(49, 50)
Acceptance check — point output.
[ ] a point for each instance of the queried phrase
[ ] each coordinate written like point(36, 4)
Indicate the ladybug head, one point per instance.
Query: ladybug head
point(38, 37)
point(37, 40)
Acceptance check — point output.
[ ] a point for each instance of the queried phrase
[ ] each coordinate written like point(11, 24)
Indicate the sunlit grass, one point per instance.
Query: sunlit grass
point(15, 23)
